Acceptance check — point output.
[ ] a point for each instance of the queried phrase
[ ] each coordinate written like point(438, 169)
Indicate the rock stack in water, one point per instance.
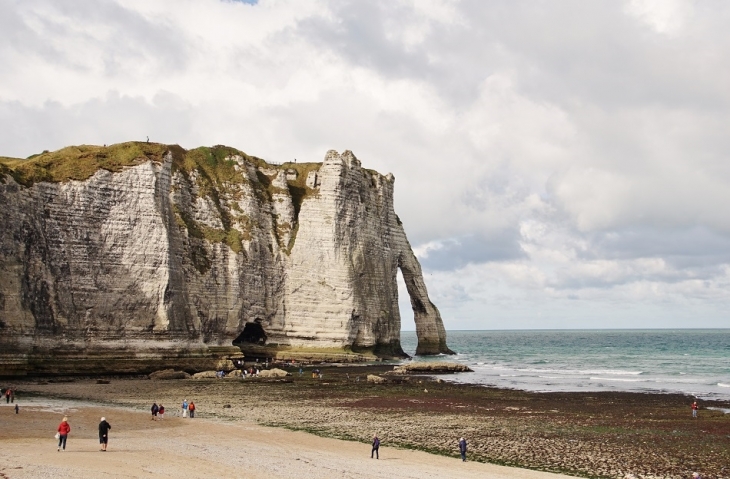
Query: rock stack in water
point(141, 256)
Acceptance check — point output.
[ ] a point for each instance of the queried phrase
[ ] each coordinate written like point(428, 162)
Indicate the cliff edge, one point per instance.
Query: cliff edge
point(138, 256)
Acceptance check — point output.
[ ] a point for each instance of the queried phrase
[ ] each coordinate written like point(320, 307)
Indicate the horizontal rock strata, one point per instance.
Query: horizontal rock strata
point(138, 257)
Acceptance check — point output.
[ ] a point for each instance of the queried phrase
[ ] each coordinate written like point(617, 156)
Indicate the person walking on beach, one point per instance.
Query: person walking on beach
point(155, 410)
point(63, 429)
point(16, 408)
point(462, 449)
point(161, 412)
point(376, 446)
point(695, 407)
point(191, 408)
point(185, 408)
point(7, 395)
point(104, 433)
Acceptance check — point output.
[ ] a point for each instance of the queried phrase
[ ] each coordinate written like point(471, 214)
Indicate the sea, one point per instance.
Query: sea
point(695, 362)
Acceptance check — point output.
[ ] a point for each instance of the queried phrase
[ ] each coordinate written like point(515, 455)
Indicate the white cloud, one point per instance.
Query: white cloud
point(664, 16)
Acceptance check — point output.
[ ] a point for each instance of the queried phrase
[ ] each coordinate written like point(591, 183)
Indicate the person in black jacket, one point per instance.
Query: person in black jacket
point(462, 448)
point(376, 447)
point(104, 433)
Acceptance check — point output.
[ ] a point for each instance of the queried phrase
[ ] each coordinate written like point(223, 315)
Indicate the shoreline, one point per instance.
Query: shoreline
point(589, 434)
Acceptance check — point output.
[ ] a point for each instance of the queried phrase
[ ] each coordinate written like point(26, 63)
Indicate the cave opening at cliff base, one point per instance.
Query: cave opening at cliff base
point(253, 333)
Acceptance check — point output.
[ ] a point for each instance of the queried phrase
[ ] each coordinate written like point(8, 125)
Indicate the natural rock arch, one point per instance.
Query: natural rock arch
point(430, 329)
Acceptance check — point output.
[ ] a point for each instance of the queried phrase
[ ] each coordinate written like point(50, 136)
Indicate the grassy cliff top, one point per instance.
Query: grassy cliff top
point(81, 162)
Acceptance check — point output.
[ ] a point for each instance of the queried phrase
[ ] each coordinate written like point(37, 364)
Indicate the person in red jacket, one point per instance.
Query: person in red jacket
point(63, 430)
point(191, 409)
point(695, 407)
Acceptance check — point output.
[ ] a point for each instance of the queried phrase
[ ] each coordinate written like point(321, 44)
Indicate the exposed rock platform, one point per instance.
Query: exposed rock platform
point(430, 368)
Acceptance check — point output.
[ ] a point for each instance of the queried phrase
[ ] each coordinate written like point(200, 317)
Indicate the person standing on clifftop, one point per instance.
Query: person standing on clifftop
point(462, 449)
point(104, 433)
point(695, 407)
point(376, 447)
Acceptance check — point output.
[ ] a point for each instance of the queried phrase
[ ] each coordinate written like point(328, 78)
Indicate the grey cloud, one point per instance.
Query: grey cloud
point(689, 248)
point(456, 253)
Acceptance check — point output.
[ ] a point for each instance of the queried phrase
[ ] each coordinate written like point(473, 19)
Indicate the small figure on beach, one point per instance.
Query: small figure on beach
point(8, 392)
point(185, 408)
point(191, 408)
point(155, 410)
point(301, 371)
point(161, 412)
point(696, 475)
point(63, 429)
point(462, 449)
point(376, 446)
point(695, 407)
point(104, 433)
point(16, 408)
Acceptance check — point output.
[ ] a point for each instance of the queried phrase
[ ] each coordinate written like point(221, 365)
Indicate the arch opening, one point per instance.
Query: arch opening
point(408, 337)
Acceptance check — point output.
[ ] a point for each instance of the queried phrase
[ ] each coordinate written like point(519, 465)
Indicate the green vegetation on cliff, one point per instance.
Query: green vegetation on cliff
point(213, 170)
point(81, 162)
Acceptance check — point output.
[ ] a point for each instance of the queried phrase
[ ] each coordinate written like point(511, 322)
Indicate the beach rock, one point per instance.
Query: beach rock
point(273, 373)
point(233, 374)
point(205, 375)
point(372, 378)
point(430, 368)
point(126, 258)
point(169, 374)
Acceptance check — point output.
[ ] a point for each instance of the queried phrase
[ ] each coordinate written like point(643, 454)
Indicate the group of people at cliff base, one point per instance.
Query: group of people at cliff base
point(158, 412)
point(65, 428)
point(9, 394)
point(188, 408)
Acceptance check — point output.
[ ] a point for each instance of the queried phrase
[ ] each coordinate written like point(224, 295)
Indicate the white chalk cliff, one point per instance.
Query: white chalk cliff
point(162, 257)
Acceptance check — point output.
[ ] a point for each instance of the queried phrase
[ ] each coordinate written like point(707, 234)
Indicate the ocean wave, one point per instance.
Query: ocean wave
point(690, 380)
point(623, 380)
point(723, 385)
point(579, 372)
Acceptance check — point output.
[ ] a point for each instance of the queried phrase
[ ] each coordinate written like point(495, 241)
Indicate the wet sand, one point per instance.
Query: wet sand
point(419, 421)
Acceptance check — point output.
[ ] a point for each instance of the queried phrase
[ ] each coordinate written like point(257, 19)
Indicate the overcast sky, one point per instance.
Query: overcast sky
point(561, 164)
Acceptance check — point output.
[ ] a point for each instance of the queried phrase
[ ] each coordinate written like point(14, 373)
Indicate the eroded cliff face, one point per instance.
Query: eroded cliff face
point(157, 257)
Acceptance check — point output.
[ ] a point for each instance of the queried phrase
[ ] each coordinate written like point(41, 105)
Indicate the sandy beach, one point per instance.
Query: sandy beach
point(323, 429)
point(192, 448)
